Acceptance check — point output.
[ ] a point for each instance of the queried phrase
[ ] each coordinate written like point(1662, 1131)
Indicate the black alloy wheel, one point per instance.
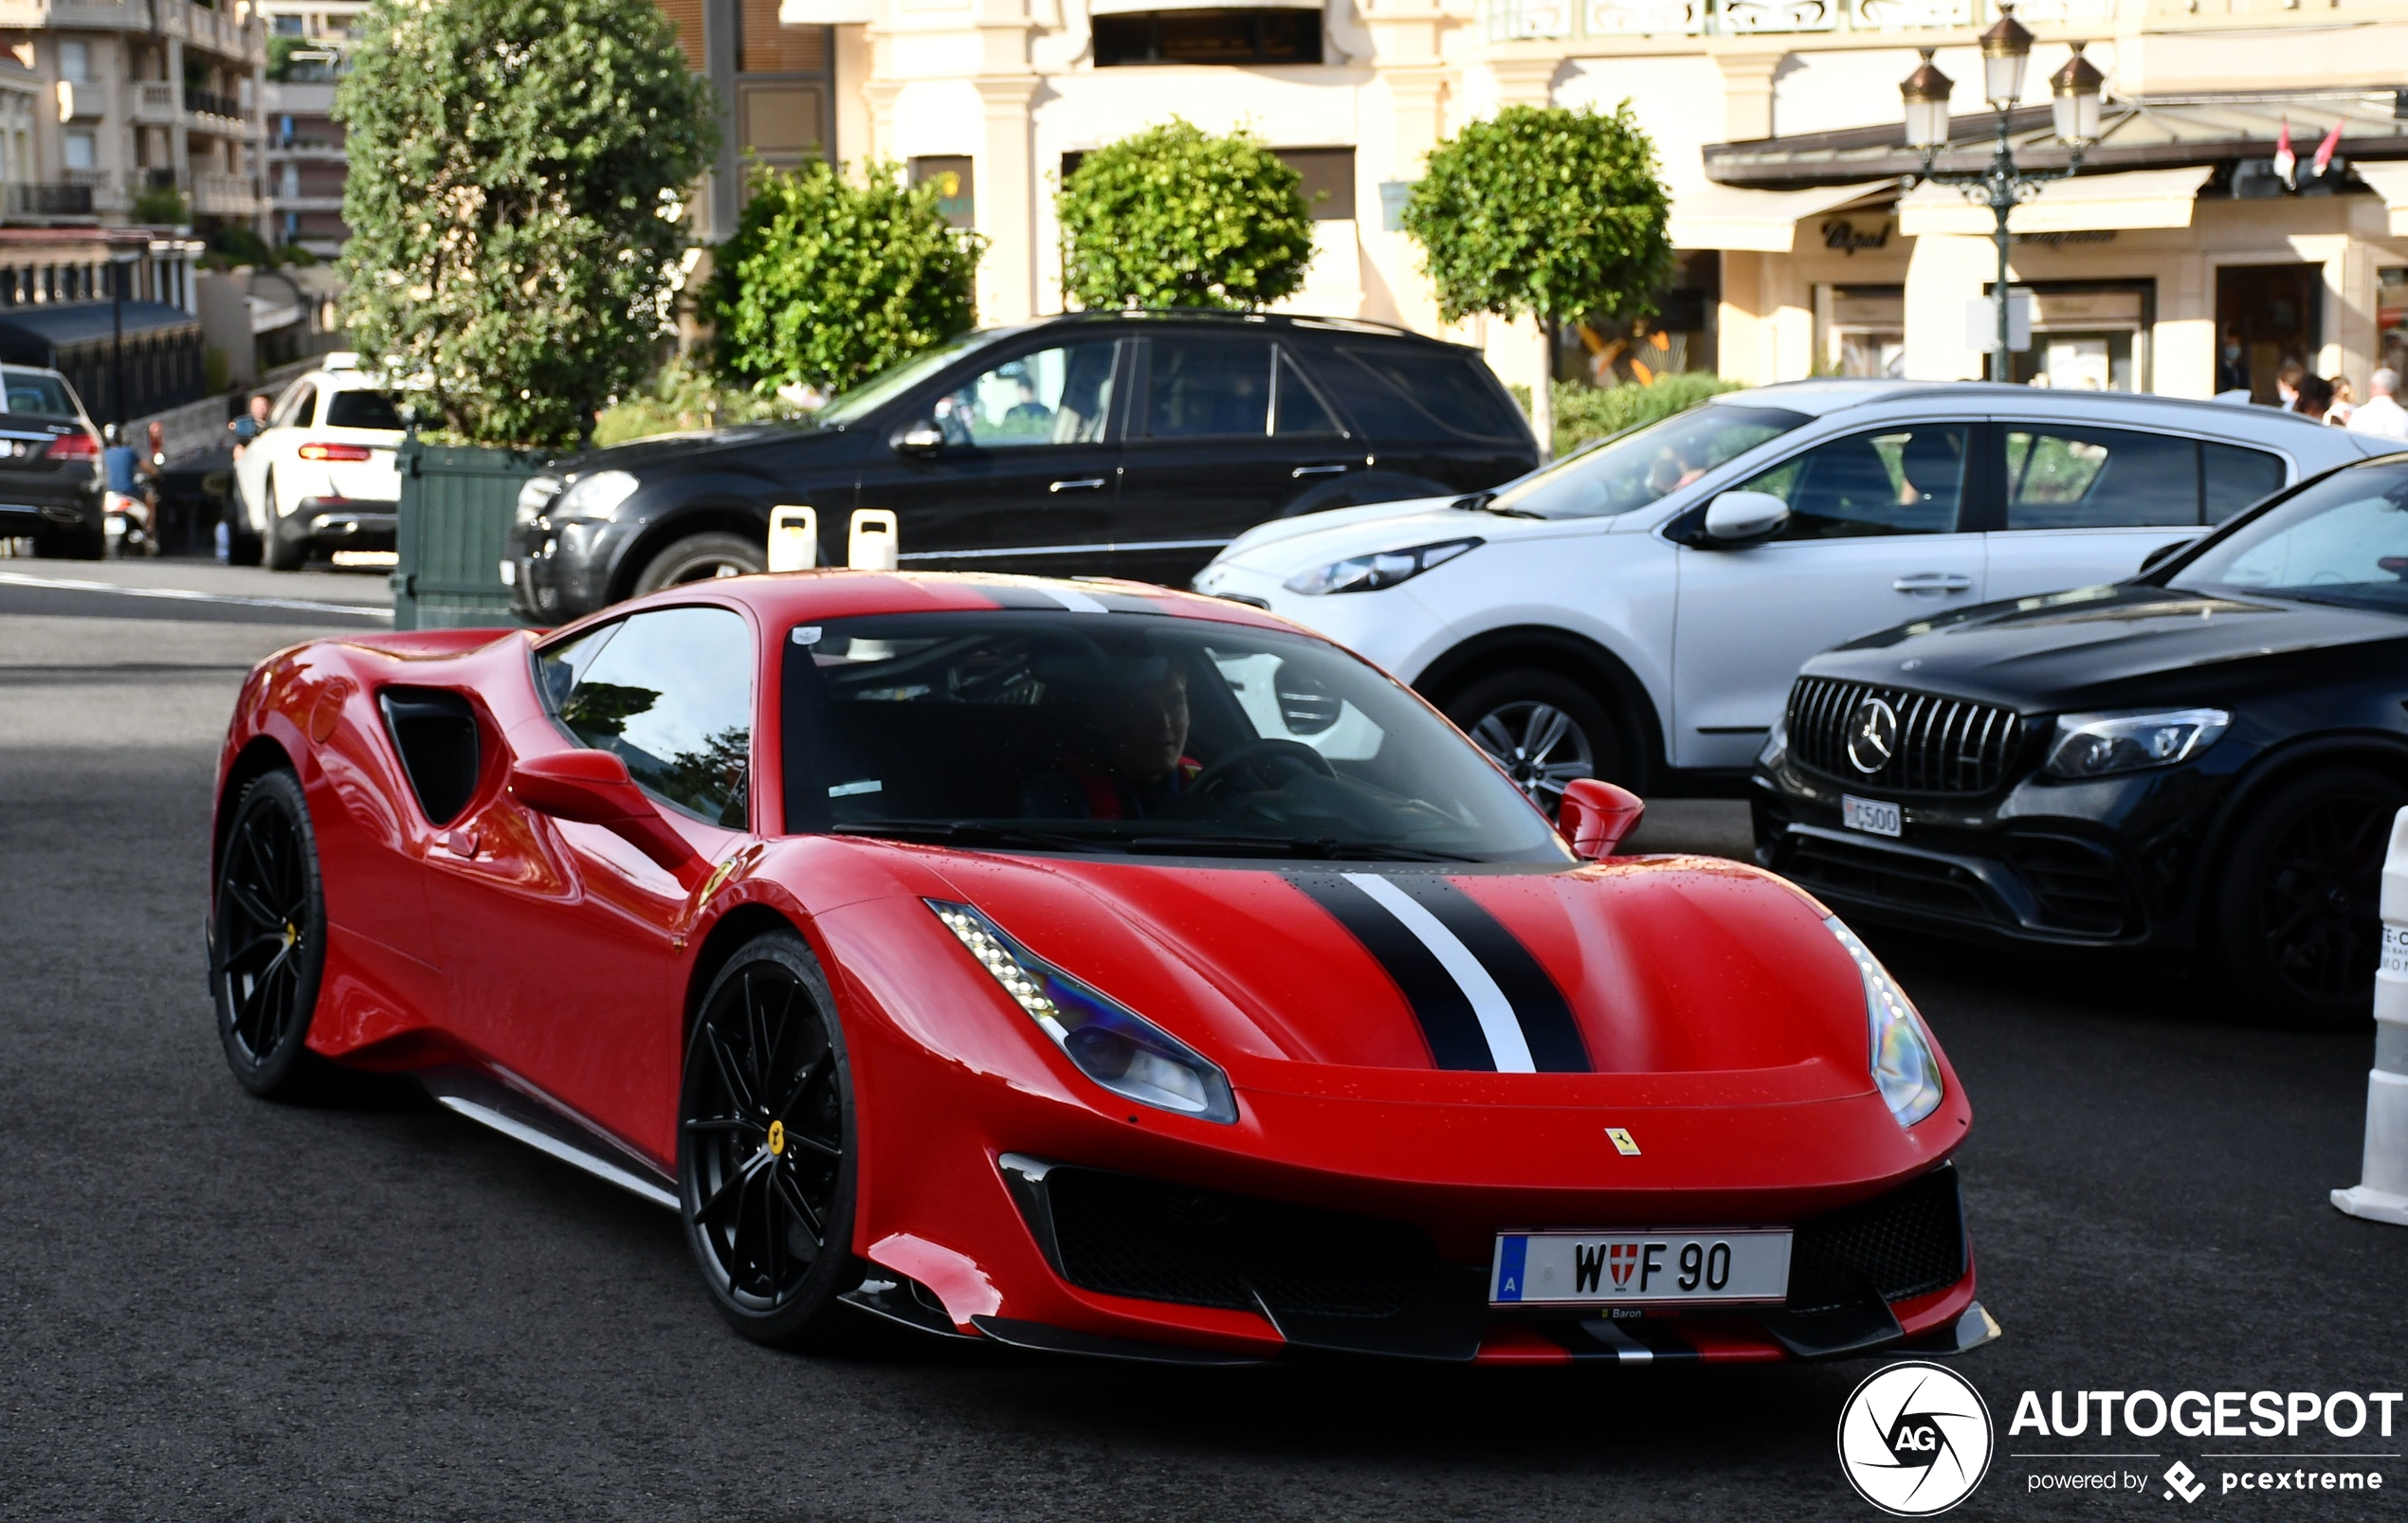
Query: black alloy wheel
point(702, 558)
point(765, 1145)
point(2298, 906)
point(1543, 728)
point(268, 937)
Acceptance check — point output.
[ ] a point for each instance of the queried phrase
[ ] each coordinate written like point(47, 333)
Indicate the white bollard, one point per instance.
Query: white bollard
point(794, 539)
point(2384, 1195)
point(874, 544)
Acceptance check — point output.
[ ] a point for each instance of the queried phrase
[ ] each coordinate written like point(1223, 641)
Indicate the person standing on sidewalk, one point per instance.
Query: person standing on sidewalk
point(2381, 414)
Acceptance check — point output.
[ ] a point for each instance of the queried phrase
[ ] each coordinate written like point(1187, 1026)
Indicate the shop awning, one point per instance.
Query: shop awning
point(2390, 181)
point(2088, 203)
point(1762, 222)
point(826, 12)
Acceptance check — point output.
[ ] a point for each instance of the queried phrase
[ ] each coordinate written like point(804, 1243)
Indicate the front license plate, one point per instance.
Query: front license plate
point(1871, 816)
point(1641, 1268)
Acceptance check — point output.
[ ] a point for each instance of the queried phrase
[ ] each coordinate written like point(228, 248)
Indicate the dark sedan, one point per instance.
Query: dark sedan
point(1114, 444)
point(2204, 760)
point(49, 466)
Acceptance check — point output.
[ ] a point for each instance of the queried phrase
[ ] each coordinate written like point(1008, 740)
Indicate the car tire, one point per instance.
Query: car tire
point(79, 545)
point(1545, 729)
point(2295, 908)
point(243, 548)
point(282, 554)
point(267, 947)
point(702, 557)
point(766, 1154)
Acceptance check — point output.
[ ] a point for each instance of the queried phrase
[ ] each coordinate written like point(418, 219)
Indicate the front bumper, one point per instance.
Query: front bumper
point(2103, 864)
point(561, 571)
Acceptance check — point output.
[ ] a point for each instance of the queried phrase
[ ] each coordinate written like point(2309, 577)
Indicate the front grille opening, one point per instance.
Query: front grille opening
point(1918, 883)
point(1909, 1242)
point(1126, 1236)
point(2073, 882)
point(1939, 745)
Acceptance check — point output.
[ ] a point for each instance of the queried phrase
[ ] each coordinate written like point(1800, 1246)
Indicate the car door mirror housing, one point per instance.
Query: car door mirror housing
point(921, 438)
point(1596, 815)
point(1739, 517)
point(595, 788)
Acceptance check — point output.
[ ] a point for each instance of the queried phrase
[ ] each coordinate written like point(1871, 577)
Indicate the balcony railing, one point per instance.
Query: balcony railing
point(155, 103)
point(232, 196)
point(46, 200)
point(209, 102)
point(1532, 20)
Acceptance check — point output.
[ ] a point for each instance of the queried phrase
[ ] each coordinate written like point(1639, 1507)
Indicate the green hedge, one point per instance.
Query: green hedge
point(1583, 413)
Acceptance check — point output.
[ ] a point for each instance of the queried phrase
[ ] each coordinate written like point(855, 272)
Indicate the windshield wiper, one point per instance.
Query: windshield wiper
point(1487, 502)
point(963, 833)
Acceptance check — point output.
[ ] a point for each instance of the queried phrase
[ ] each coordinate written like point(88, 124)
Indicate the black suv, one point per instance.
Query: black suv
point(1125, 443)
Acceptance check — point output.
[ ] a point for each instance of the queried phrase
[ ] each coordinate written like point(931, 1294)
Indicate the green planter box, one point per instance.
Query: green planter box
point(456, 506)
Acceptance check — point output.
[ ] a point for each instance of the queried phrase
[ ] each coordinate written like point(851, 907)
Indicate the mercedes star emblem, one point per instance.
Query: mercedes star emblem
point(1872, 735)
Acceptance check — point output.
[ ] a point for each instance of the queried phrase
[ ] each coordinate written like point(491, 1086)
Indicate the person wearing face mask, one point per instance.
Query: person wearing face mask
point(2286, 385)
point(2231, 362)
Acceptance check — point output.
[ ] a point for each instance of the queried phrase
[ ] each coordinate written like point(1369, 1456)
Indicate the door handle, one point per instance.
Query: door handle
point(1317, 470)
point(1085, 484)
point(1933, 582)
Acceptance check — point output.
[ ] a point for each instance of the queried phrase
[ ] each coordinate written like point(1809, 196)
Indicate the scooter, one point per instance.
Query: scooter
point(129, 523)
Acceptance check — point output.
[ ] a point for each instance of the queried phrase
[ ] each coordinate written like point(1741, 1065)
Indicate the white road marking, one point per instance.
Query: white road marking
point(179, 594)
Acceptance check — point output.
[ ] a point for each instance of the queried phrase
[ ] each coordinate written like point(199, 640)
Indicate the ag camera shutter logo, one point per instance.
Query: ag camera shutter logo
point(1915, 1439)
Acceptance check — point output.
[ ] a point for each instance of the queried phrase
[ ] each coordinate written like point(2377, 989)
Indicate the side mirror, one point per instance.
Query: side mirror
point(922, 437)
point(593, 788)
point(1596, 815)
point(1736, 517)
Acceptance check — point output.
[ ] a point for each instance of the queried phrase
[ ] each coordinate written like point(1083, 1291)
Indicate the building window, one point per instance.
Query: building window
point(1208, 37)
point(956, 186)
point(74, 61)
point(2088, 337)
point(1680, 336)
point(1328, 176)
point(288, 26)
point(83, 149)
point(1861, 330)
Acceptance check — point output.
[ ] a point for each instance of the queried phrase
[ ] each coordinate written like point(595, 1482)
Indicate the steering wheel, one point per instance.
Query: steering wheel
point(1253, 758)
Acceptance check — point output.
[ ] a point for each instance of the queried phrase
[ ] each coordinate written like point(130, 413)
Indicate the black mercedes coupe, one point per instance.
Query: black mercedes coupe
point(2205, 760)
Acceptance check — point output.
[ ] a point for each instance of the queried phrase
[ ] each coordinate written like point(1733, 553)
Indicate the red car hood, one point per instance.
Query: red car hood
point(1695, 981)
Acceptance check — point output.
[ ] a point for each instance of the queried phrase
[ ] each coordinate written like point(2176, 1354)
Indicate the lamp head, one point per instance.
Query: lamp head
point(2006, 47)
point(1925, 93)
point(2077, 88)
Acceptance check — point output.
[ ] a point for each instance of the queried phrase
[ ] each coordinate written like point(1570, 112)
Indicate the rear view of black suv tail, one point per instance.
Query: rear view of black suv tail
point(1129, 445)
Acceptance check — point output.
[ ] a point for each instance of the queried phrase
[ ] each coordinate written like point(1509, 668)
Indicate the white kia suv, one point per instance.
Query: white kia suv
point(320, 476)
point(1637, 610)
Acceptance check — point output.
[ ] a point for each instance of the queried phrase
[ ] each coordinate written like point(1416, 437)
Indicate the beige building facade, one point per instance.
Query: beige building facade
point(1778, 122)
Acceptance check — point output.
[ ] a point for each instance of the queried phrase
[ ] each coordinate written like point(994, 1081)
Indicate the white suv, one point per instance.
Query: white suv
point(320, 475)
point(1637, 611)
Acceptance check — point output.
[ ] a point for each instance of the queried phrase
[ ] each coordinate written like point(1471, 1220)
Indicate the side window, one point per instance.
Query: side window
point(1053, 396)
point(671, 692)
point(1296, 410)
point(1400, 389)
point(1207, 386)
point(2077, 477)
point(292, 409)
point(1904, 480)
point(2237, 476)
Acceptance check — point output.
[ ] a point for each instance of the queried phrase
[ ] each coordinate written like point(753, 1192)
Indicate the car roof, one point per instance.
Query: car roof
point(784, 598)
point(1213, 317)
point(1822, 398)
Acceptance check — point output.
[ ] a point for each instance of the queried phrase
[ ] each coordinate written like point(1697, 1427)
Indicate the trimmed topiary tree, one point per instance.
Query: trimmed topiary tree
point(1176, 217)
point(518, 170)
point(1547, 213)
point(829, 280)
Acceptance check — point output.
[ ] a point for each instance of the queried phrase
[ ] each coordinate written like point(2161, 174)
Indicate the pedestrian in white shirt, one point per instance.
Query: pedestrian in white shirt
point(2381, 414)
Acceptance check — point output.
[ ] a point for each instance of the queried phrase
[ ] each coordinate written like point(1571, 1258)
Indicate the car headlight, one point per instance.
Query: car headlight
point(1776, 745)
point(1905, 1069)
point(535, 497)
point(1107, 1042)
point(1369, 573)
point(596, 496)
point(2093, 745)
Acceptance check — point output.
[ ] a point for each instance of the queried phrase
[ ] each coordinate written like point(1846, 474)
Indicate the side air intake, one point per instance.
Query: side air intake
point(437, 734)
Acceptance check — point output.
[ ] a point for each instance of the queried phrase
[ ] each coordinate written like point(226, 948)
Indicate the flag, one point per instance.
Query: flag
point(2324, 150)
point(2286, 162)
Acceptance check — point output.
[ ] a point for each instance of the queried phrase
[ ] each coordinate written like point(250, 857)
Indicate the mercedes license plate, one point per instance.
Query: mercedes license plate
point(1871, 816)
point(1638, 1268)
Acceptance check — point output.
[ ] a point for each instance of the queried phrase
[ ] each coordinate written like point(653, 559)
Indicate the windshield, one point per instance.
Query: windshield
point(1099, 731)
point(2343, 540)
point(1638, 468)
point(887, 384)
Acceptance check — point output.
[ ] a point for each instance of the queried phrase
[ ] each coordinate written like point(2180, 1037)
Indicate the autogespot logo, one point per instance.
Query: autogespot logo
point(1915, 1439)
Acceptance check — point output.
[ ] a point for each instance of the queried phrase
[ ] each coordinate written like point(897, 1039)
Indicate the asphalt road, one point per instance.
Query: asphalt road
point(216, 1308)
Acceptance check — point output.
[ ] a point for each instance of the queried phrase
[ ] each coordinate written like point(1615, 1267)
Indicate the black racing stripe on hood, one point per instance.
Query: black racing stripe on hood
point(1441, 1006)
point(1539, 1007)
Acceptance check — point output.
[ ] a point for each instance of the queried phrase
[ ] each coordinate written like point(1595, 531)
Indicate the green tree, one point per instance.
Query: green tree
point(829, 280)
point(518, 171)
point(1176, 217)
point(1546, 213)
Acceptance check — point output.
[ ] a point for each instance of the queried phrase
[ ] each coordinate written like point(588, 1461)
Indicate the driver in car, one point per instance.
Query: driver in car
point(1131, 763)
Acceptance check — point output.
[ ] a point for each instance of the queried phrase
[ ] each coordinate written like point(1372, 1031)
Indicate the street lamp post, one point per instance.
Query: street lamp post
point(2006, 48)
point(122, 262)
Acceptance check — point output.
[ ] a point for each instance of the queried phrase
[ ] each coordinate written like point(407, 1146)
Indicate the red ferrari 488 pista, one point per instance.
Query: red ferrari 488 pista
point(1084, 966)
